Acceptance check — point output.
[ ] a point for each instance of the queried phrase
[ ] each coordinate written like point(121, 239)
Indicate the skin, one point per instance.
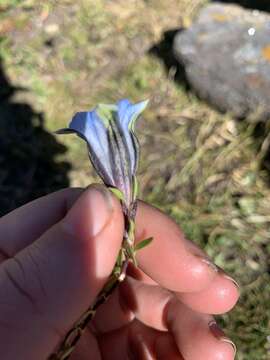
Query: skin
point(55, 256)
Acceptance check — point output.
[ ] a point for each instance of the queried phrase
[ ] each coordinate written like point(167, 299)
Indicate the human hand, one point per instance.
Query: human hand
point(55, 256)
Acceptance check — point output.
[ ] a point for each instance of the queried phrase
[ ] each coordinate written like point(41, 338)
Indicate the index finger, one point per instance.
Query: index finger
point(168, 259)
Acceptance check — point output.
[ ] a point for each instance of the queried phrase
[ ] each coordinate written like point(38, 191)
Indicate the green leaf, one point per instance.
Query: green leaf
point(135, 188)
point(118, 193)
point(143, 243)
point(131, 229)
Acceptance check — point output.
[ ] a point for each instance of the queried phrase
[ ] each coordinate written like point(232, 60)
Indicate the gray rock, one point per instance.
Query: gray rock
point(226, 55)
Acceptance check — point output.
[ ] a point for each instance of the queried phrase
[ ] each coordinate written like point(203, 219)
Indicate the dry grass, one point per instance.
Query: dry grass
point(207, 170)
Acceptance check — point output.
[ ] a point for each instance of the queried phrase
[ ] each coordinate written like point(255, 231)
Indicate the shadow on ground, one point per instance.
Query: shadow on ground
point(263, 5)
point(28, 167)
point(163, 50)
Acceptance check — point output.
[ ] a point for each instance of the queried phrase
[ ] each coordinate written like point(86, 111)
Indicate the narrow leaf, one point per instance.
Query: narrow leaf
point(131, 229)
point(135, 188)
point(120, 196)
point(143, 243)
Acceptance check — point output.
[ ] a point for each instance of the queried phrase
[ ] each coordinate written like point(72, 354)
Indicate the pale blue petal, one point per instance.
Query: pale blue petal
point(90, 127)
point(113, 146)
point(127, 114)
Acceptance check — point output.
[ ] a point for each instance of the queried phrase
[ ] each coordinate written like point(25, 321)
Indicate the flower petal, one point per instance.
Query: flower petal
point(91, 128)
point(112, 144)
point(127, 115)
point(128, 112)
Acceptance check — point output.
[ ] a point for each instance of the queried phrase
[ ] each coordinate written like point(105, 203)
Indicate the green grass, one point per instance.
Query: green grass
point(212, 178)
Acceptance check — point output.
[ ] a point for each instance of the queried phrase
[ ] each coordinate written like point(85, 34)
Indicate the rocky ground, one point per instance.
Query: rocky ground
point(206, 169)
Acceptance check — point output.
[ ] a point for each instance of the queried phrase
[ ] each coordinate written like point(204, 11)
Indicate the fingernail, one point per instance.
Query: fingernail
point(220, 335)
point(226, 276)
point(200, 254)
point(121, 297)
point(96, 201)
point(208, 262)
point(127, 299)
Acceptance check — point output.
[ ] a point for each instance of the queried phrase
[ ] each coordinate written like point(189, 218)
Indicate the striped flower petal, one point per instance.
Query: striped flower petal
point(113, 146)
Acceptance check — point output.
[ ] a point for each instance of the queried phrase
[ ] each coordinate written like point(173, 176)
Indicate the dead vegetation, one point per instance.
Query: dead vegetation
point(207, 170)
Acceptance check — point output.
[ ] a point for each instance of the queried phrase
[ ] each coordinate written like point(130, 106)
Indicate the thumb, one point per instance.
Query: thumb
point(47, 286)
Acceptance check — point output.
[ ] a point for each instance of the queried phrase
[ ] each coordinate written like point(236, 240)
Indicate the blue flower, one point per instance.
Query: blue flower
point(112, 144)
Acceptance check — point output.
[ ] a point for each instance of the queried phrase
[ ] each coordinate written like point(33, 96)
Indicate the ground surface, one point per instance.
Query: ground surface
point(207, 170)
